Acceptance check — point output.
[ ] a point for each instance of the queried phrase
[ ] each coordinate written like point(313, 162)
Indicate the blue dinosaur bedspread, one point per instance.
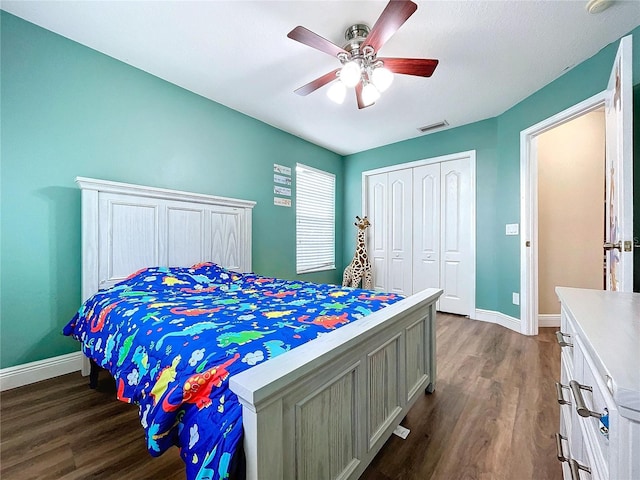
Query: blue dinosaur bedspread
point(171, 337)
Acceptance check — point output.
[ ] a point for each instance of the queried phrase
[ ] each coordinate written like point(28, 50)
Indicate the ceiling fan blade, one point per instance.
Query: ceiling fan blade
point(313, 40)
point(361, 104)
point(317, 83)
point(421, 67)
point(391, 19)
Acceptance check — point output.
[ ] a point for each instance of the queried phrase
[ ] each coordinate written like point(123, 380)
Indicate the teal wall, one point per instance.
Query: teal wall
point(70, 111)
point(497, 142)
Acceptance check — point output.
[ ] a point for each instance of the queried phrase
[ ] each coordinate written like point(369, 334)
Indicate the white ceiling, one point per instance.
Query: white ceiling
point(492, 55)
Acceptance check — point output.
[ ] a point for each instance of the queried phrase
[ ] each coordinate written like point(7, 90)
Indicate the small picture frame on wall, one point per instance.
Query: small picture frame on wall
point(281, 169)
point(282, 202)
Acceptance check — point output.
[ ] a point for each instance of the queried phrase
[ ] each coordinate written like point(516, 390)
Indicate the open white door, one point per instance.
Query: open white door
point(619, 172)
point(617, 100)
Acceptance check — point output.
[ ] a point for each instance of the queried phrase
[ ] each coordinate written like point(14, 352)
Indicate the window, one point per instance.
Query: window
point(315, 219)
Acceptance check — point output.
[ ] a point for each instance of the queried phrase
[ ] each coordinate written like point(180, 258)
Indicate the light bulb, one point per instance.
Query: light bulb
point(350, 74)
point(337, 92)
point(382, 78)
point(370, 94)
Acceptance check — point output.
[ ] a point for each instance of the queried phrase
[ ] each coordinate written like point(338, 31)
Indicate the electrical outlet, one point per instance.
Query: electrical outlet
point(515, 298)
point(511, 229)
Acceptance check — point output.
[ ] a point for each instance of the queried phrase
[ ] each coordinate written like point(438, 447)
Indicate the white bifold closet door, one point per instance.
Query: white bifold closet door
point(420, 231)
point(441, 232)
point(426, 226)
point(390, 242)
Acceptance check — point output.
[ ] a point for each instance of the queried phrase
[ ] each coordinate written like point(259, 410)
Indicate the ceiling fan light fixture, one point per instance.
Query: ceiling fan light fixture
point(337, 92)
point(350, 74)
point(382, 78)
point(370, 94)
point(360, 66)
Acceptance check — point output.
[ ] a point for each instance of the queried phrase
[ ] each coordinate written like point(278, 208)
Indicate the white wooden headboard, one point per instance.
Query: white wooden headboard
point(128, 227)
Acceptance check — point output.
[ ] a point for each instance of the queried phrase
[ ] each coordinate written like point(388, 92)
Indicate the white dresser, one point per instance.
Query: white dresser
point(600, 383)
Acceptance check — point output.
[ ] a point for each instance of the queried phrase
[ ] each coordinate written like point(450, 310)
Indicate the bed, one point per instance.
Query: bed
point(320, 410)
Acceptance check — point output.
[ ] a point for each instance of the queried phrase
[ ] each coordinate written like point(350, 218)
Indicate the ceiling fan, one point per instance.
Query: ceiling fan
point(361, 66)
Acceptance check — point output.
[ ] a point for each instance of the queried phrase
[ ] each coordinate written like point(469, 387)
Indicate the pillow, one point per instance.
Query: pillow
point(201, 277)
point(160, 279)
point(215, 273)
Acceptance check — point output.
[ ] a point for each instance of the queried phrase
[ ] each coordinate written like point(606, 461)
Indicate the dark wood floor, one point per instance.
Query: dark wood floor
point(493, 416)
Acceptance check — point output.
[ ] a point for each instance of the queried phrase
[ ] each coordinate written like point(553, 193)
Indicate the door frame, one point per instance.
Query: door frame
point(469, 155)
point(529, 311)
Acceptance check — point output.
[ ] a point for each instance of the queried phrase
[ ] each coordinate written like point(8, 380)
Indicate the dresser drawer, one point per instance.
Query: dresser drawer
point(575, 459)
point(572, 446)
point(565, 337)
point(590, 401)
point(564, 399)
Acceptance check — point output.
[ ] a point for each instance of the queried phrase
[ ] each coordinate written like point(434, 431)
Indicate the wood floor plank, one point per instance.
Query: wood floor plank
point(432, 423)
point(493, 416)
point(482, 433)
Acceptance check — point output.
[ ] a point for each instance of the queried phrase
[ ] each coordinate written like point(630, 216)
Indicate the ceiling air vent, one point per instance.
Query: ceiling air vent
point(433, 126)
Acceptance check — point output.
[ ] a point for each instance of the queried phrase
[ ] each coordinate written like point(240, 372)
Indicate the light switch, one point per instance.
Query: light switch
point(511, 229)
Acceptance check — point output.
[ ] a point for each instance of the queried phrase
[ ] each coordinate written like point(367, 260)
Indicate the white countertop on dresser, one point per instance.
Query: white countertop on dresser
point(610, 324)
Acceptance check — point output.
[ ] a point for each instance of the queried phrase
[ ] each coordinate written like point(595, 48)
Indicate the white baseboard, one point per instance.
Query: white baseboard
point(548, 320)
point(500, 318)
point(32, 372)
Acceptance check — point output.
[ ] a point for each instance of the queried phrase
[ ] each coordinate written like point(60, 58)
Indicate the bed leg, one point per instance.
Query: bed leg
point(430, 388)
point(93, 375)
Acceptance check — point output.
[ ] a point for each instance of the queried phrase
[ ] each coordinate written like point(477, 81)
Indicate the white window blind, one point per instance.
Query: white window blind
point(315, 219)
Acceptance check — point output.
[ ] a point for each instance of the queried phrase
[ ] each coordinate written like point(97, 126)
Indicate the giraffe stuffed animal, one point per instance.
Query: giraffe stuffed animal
point(360, 267)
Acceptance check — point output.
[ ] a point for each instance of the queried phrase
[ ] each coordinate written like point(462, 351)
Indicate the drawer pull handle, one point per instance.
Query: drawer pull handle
point(560, 337)
point(575, 468)
point(581, 407)
point(559, 451)
point(561, 399)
